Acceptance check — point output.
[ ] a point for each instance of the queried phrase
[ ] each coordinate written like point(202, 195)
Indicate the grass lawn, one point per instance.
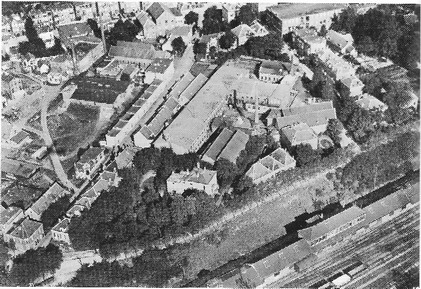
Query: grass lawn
point(73, 128)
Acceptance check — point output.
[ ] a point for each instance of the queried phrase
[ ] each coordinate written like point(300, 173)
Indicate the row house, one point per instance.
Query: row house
point(90, 162)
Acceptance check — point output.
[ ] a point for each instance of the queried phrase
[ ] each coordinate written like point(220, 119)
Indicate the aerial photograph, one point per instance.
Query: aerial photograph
point(210, 144)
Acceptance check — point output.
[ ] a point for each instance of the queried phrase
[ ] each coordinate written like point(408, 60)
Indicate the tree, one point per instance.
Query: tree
point(247, 15)
point(305, 155)
point(212, 21)
point(178, 46)
point(95, 28)
point(54, 211)
point(345, 21)
point(334, 129)
point(227, 40)
point(123, 31)
point(323, 31)
point(191, 18)
point(226, 172)
point(199, 48)
point(267, 47)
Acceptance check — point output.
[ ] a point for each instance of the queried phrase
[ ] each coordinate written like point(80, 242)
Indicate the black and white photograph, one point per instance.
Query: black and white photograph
point(210, 144)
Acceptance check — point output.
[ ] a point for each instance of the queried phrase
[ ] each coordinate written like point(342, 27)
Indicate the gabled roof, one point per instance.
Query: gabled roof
point(242, 30)
point(171, 103)
point(258, 28)
point(367, 101)
point(338, 39)
point(236, 144)
point(101, 185)
point(62, 226)
point(312, 119)
point(49, 197)
point(352, 81)
point(218, 144)
point(159, 65)
point(175, 11)
point(7, 214)
point(277, 160)
point(207, 38)
point(299, 133)
point(19, 137)
point(26, 229)
point(197, 175)
point(74, 30)
point(75, 210)
point(133, 50)
point(125, 158)
point(331, 224)
point(194, 87)
point(91, 154)
point(180, 31)
point(181, 85)
point(157, 9)
point(158, 122)
point(144, 18)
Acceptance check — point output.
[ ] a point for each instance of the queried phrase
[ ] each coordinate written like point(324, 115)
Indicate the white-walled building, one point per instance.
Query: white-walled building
point(161, 69)
point(199, 179)
point(60, 232)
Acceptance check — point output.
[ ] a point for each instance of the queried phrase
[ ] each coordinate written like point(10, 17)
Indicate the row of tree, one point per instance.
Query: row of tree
point(383, 31)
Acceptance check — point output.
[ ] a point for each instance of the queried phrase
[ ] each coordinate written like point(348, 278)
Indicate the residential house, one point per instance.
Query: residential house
point(332, 227)
point(9, 217)
point(125, 158)
point(158, 19)
point(110, 175)
point(342, 43)
point(230, 11)
point(185, 32)
point(367, 101)
point(308, 42)
point(73, 33)
point(211, 40)
point(26, 235)
point(75, 210)
point(160, 68)
point(60, 232)
point(90, 162)
point(134, 117)
point(12, 86)
point(335, 66)
point(353, 85)
point(18, 25)
point(199, 179)
point(258, 29)
point(270, 165)
point(305, 15)
point(273, 70)
point(227, 145)
point(54, 193)
point(297, 134)
point(243, 32)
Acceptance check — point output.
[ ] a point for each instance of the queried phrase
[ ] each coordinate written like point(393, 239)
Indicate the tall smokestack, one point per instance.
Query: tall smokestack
point(256, 104)
point(101, 25)
point(141, 6)
point(74, 59)
point(97, 8)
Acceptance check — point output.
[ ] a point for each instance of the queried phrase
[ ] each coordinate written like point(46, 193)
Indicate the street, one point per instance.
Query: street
point(392, 245)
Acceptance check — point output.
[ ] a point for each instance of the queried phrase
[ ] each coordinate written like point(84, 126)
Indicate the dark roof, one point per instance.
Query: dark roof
point(194, 87)
point(331, 224)
point(74, 30)
point(62, 226)
point(181, 85)
point(235, 145)
point(90, 154)
point(175, 11)
point(146, 132)
point(158, 122)
point(171, 104)
point(99, 89)
point(198, 67)
point(156, 10)
point(26, 229)
point(159, 65)
point(129, 69)
point(218, 144)
point(132, 50)
point(19, 137)
point(7, 214)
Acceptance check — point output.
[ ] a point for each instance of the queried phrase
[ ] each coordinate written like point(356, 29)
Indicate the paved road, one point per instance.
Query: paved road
point(370, 248)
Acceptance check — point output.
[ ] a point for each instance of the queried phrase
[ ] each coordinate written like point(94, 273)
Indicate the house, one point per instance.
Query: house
point(60, 232)
point(26, 235)
point(342, 43)
point(243, 32)
point(230, 11)
point(54, 193)
point(75, 210)
point(185, 32)
point(334, 65)
point(411, 100)
point(211, 40)
point(297, 134)
point(258, 29)
point(110, 175)
point(89, 162)
point(353, 85)
point(73, 33)
point(273, 71)
point(305, 15)
point(9, 217)
point(270, 165)
point(160, 68)
point(308, 42)
point(367, 101)
point(158, 19)
point(138, 53)
point(199, 179)
point(125, 158)
point(20, 139)
point(332, 227)
point(12, 85)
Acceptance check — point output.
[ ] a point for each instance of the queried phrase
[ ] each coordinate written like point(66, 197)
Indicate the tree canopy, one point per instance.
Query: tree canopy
point(50, 216)
point(191, 18)
point(213, 22)
point(227, 40)
point(304, 155)
point(178, 46)
point(247, 14)
point(267, 47)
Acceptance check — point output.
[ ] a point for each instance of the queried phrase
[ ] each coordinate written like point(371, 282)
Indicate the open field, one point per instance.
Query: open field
point(251, 230)
point(74, 128)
